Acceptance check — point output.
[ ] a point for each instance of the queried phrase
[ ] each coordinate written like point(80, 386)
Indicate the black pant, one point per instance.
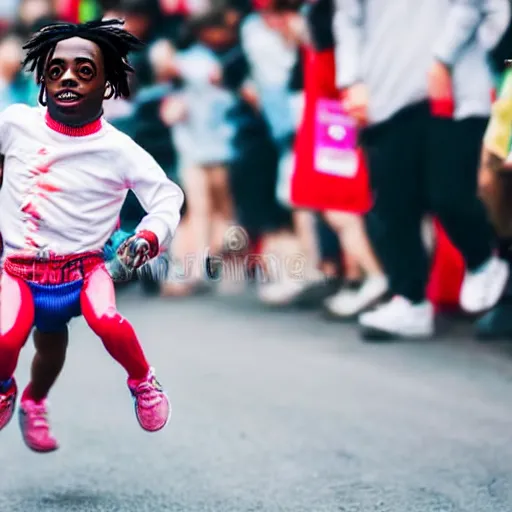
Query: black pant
point(253, 178)
point(419, 164)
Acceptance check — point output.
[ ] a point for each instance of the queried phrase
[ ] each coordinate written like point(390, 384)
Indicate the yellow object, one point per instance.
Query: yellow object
point(498, 135)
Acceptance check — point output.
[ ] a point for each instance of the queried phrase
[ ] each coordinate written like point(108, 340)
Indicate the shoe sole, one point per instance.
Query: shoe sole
point(334, 317)
point(314, 295)
point(374, 335)
point(27, 444)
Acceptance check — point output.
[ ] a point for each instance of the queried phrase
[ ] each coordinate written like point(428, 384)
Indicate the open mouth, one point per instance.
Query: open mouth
point(68, 96)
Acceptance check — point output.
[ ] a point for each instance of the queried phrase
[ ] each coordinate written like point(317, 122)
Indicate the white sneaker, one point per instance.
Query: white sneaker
point(280, 293)
point(348, 303)
point(399, 318)
point(482, 289)
point(287, 291)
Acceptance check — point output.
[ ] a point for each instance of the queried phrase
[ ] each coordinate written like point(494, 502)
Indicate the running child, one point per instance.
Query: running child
point(65, 177)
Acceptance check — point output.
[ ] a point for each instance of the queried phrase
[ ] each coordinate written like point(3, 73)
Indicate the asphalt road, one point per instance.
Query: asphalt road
point(272, 412)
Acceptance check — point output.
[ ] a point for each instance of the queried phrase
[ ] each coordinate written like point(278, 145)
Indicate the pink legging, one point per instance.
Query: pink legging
point(98, 305)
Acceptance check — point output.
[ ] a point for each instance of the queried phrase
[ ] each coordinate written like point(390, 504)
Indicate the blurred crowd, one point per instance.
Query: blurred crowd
point(344, 155)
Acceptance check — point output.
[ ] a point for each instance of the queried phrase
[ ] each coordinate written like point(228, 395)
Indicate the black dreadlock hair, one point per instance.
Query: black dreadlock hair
point(115, 44)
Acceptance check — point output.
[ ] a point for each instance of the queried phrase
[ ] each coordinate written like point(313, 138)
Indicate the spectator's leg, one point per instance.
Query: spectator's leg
point(189, 249)
point(453, 161)
point(495, 190)
point(354, 241)
point(395, 152)
point(228, 243)
point(497, 194)
point(348, 303)
point(195, 184)
point(331, 260)
point(221, 206)
point(305, 228)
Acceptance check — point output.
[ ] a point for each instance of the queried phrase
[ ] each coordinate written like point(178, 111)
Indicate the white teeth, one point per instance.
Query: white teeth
point(68, 96)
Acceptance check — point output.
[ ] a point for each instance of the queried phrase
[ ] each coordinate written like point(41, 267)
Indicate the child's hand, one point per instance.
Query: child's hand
point(295, 28)
point(439, 82)
point(163, 60)
point(173, 110)
point(232, 17)
point(250, 95)
point(216, 76)
point(138, 249)
point(355, 102)
point(11, 56)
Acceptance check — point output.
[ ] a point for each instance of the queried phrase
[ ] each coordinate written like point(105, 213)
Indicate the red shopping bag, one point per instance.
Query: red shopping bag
point(330, 172)
point(311, 188)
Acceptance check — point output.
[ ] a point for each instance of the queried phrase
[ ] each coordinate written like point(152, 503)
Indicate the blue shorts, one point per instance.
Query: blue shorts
point(55, 304)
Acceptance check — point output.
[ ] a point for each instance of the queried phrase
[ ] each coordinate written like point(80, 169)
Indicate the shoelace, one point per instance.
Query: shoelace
point(38, 417)
point(147, 395)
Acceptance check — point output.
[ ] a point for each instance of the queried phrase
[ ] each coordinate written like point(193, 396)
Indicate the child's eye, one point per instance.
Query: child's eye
point(86, 71)
point(54, 72)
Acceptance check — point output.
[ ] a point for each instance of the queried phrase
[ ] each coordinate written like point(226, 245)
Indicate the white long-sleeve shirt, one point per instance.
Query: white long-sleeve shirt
point(63, 191)
point(390, 45)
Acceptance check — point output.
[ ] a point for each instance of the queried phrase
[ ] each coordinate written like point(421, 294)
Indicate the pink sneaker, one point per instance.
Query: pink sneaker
point(152, 407)
point(8, 394)
point(35, 428)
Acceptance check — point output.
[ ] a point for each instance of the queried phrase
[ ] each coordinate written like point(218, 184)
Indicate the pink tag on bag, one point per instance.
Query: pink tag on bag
point(335, 140)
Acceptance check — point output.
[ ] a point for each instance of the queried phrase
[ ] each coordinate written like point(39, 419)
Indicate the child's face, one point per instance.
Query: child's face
point(32, 10)
point(232, 18)
point(11, 56)
point(274, 20)
point(136, 24)
point(75, 81)
point(216, 37)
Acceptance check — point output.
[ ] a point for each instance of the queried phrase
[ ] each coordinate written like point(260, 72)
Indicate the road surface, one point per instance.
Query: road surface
point(272, 412)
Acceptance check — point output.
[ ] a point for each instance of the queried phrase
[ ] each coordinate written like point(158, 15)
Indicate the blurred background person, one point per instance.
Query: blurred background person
point(261, 58)
point(425, 105)
point(11, 55)
point(345, 219)
point(8, 13)
point(272, 50)
point(495, 185)
point(203, 134)
point(18, 86)
point(31, 11)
